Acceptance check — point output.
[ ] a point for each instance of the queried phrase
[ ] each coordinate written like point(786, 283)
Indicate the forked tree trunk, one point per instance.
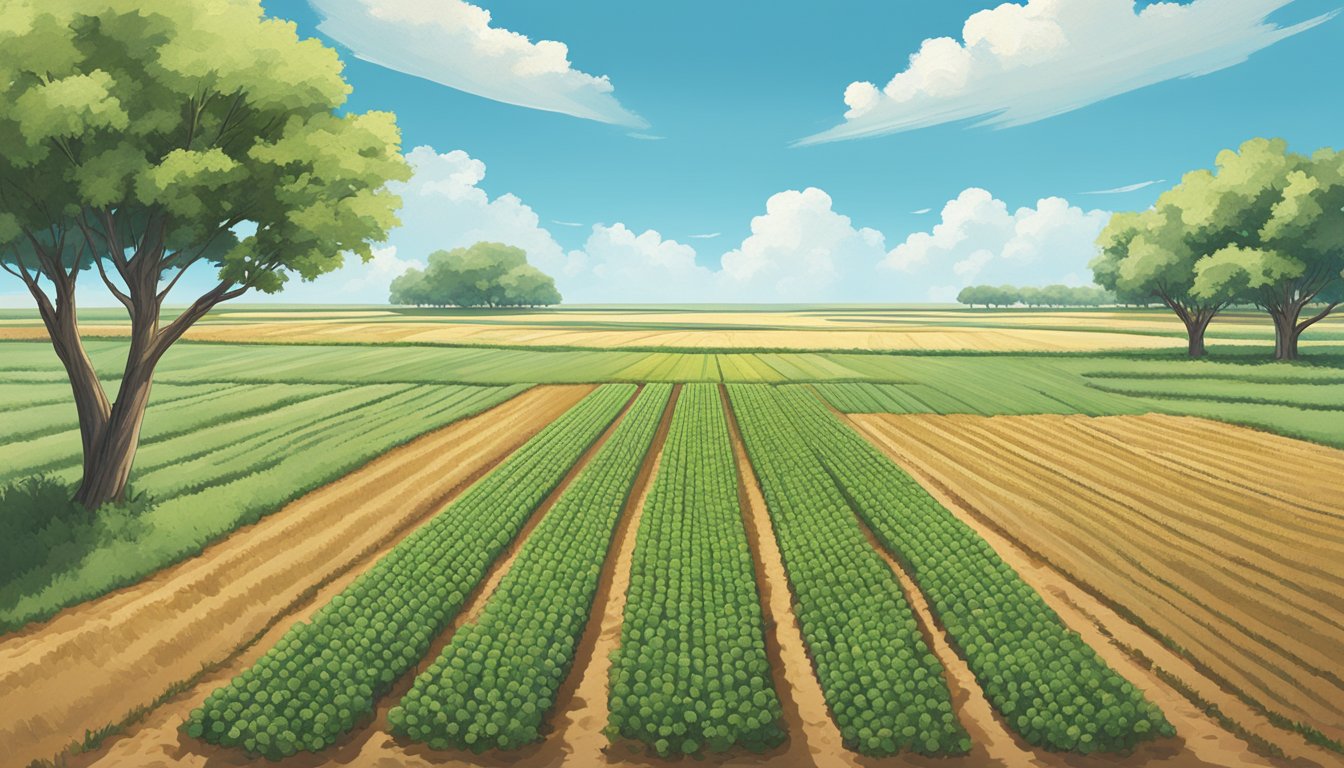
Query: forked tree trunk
point(107, 465)
point(1288, 328)
point(1285, 333)
point(1195, 326)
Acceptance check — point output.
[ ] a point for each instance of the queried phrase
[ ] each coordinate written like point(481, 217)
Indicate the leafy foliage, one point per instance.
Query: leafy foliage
point(498, 677)
point(1048, 684)
point(691, 671)
point(38, 524)
point(1033, 296)
point(484, 275)
point(884, 687)
point(324, 675)
point(142, 124)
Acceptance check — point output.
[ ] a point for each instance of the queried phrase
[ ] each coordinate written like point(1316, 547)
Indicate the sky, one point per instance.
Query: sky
point(808, 152)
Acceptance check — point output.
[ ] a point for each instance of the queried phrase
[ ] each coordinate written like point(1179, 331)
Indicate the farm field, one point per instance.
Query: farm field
point(583, 556)
point(1239, 574)
point(880, 329)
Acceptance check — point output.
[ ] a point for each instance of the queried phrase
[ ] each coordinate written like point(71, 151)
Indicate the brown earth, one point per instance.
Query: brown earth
point(93, 664)
point(1200, 563)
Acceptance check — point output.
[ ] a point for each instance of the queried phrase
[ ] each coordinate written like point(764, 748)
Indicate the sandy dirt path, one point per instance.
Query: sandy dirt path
point(95, 663)
point(1129, 649)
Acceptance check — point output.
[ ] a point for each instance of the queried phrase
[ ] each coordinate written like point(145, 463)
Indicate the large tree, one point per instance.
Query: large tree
point(140, 139)
point(1274, 223)
point(1148, 256)
point(483, 275)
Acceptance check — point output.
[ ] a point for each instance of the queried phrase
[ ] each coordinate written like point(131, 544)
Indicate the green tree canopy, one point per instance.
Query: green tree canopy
point(1272, 222)
point(483, 275)
point(1150, 256)
point(1035, 296)
point(141, 138)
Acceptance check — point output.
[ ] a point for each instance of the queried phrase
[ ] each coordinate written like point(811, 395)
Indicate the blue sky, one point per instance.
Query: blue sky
point(730, 88)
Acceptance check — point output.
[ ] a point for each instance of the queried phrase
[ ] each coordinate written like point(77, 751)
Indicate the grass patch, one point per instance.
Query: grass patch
point(41, 526)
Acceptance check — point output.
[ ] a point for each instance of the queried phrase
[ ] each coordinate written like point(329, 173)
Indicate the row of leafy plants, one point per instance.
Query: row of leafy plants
point(1042, 677)
point(495, 682)
point(691, 672)
point(325, 675)
point(885, 689)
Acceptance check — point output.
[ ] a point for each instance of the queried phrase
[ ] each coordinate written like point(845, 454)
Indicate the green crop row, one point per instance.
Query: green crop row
point(885, 689)
point(691, 671)
point(325, 675)
point(498, 677)
point(1048, 684)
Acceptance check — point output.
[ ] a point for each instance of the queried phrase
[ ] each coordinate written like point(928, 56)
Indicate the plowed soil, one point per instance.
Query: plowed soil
point(1200, 533)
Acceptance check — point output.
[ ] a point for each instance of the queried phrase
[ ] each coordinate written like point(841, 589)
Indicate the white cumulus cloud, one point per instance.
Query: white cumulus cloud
point(1019, 63)
point(452, 42)
point(979, 240)
point(624, 266)
point(802, 250)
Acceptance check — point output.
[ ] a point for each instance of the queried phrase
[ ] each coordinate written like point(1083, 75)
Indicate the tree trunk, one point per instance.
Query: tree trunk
point(1195, 326)
point(1285, 332)
point(107, 465)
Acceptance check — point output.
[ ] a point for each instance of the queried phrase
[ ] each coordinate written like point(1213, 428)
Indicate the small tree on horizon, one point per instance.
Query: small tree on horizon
point(483, 275)
point(140, 139)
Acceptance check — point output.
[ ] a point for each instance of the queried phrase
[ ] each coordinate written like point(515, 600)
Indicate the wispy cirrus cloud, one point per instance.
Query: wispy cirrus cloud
point(1019, 63)
point(452, 42)
point(706, 235)
point(1127, 188)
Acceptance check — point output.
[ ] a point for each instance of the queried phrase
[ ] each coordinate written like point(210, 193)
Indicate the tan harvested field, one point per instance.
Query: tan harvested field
point(895, 338)
point(57, 678)
point(1223, 541)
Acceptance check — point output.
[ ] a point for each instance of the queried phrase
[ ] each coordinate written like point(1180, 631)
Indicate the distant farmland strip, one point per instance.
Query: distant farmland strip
point(1241, 580)
point(885, 689)
point(691, 671)
point(497, 679)
point(324, 676)
point(1048, 685)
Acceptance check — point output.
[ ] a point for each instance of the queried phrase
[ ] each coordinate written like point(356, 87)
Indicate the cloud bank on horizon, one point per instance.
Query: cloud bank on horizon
point(1017, 64)
point(451, 42)
point(799, 250)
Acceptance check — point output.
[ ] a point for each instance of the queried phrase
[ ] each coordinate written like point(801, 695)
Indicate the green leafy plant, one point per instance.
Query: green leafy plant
point(494, 683)
point(691, 671)
point(1046, 682)
point(884, 687)
point(325, 675)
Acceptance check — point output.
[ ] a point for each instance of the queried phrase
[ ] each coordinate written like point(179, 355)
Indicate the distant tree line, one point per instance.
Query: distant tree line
point(483, 275)
point(1035, 296)
point(1265, 228)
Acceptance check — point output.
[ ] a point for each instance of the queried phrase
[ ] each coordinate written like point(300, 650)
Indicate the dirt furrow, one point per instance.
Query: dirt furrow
point(1117, 639)
point(1285, 483)
point(1225, 601)
point(96, 662)
point(814, 738)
